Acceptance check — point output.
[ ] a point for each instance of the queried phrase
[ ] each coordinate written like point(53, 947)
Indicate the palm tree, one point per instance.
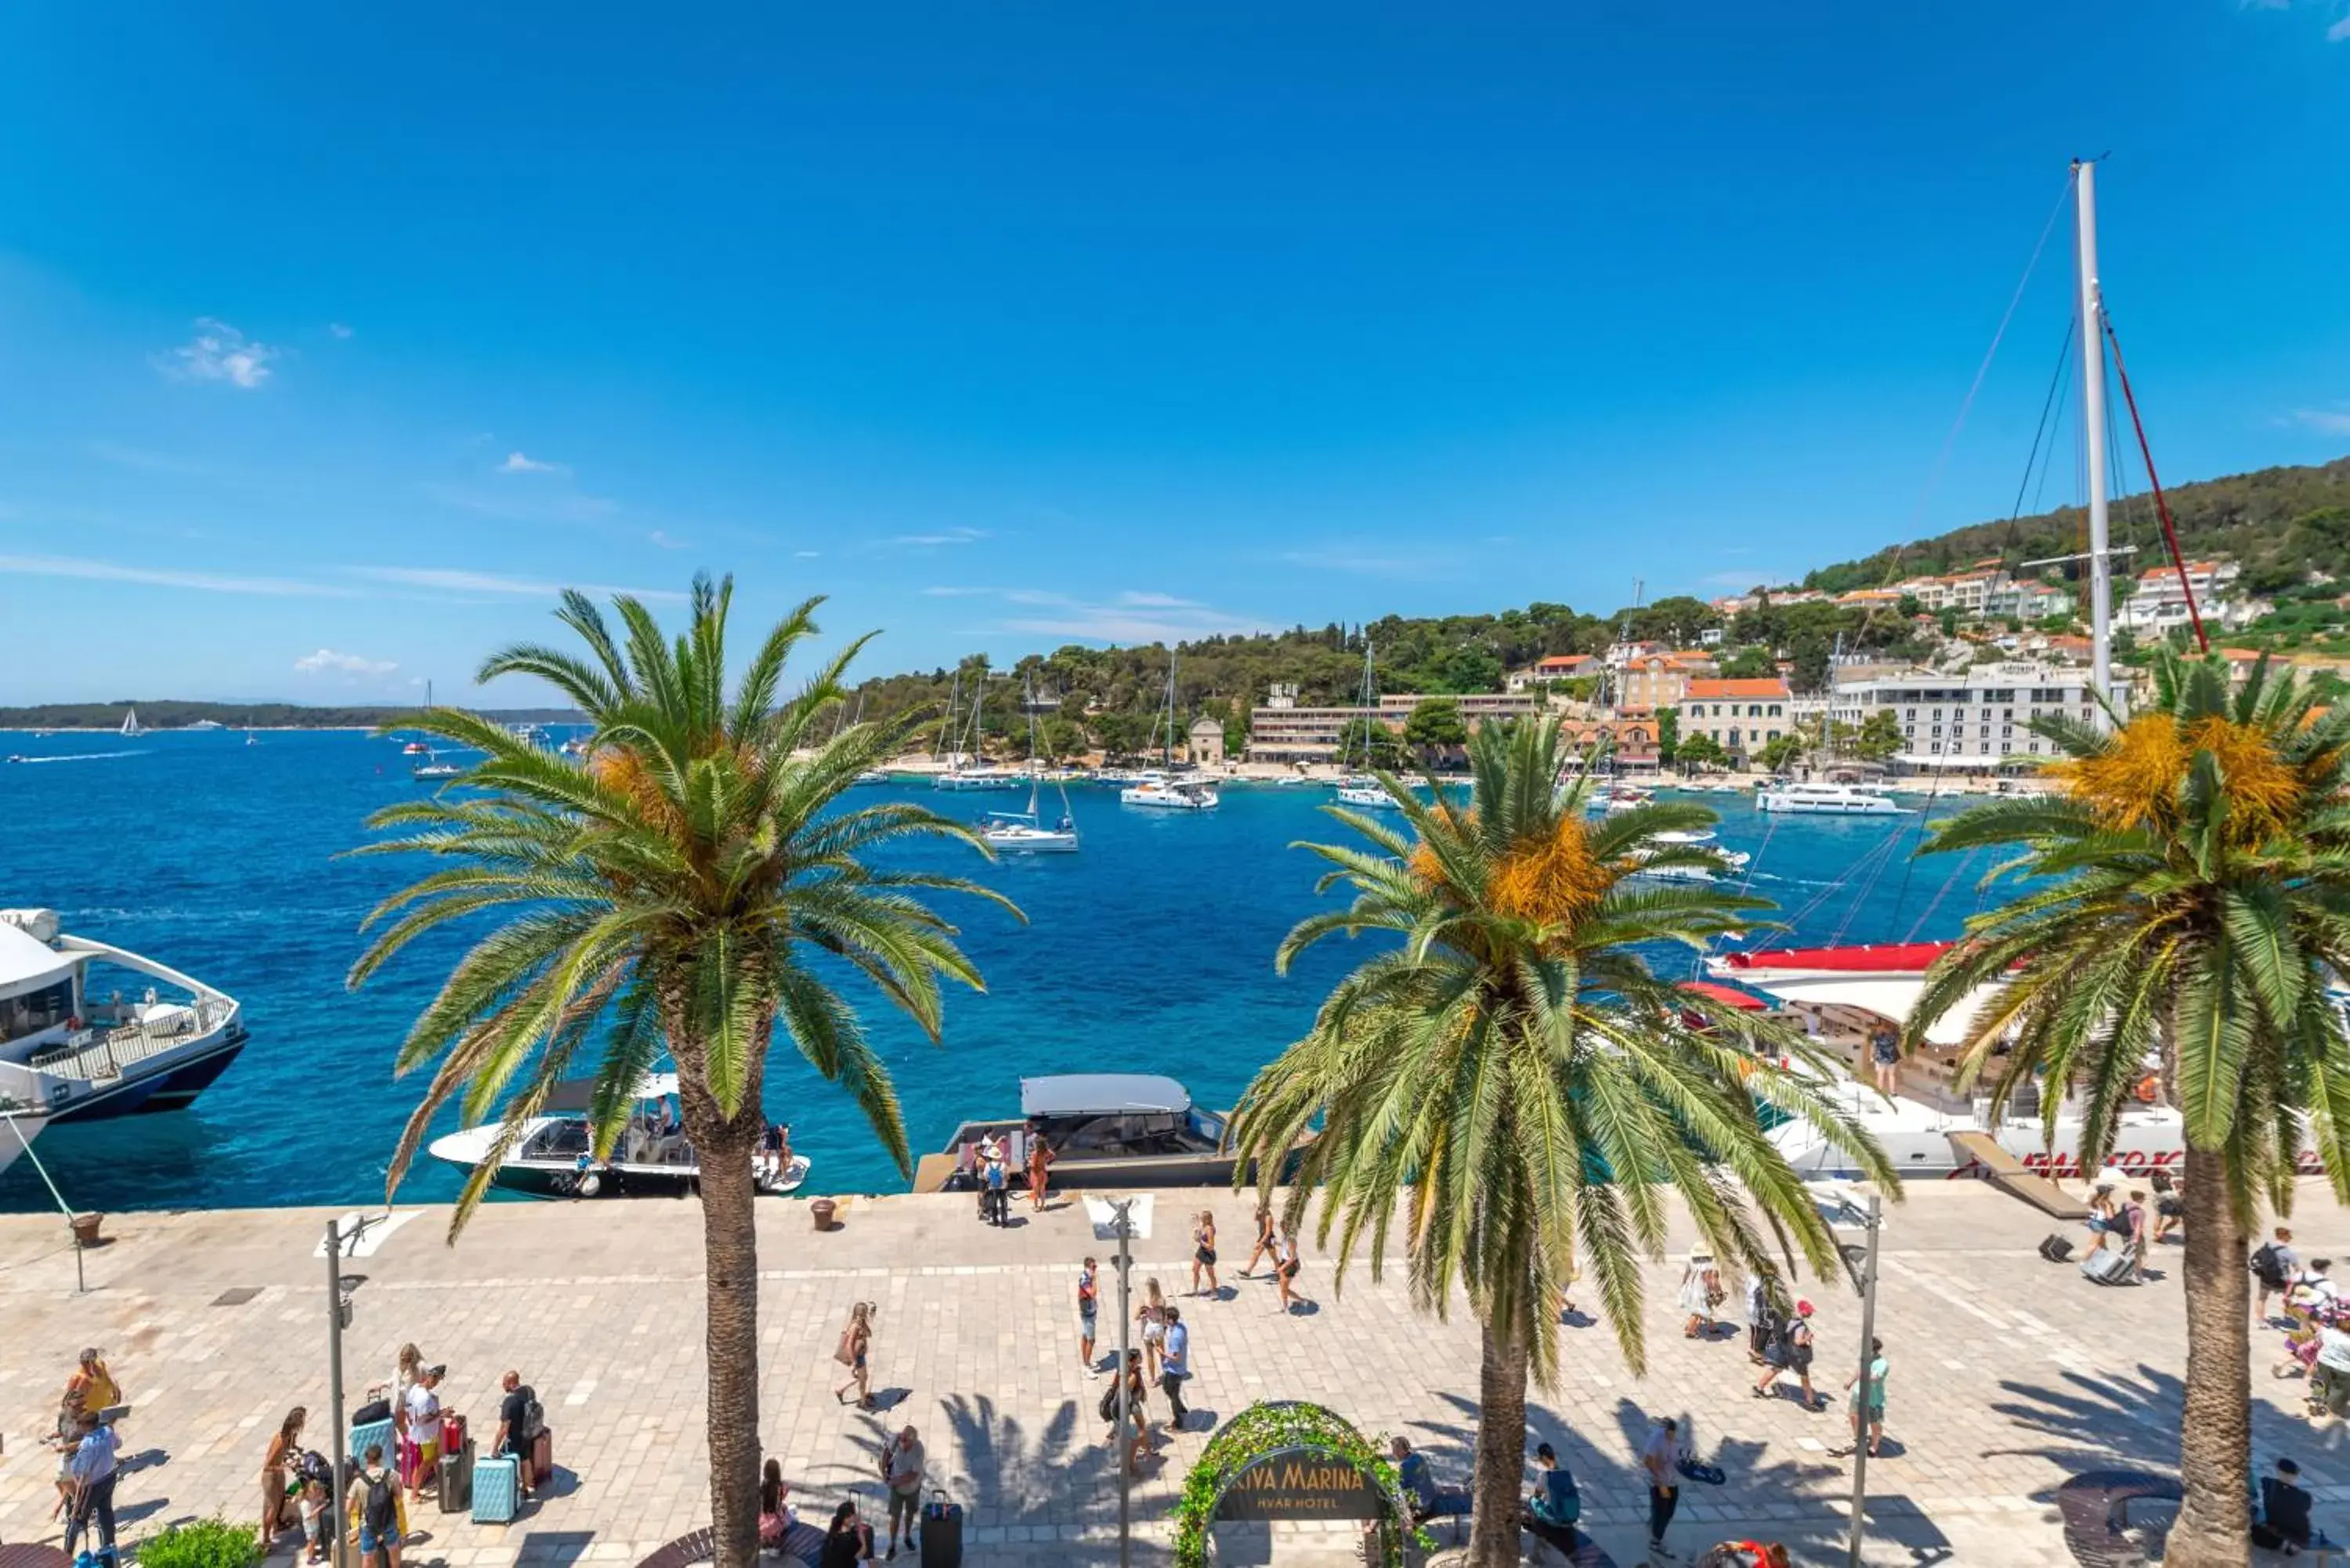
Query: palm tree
point(663, 895)
point(1513, 1075)
point(2197, 905)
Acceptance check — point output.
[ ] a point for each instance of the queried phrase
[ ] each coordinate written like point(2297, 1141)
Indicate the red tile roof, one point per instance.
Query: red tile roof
point(1705, 691)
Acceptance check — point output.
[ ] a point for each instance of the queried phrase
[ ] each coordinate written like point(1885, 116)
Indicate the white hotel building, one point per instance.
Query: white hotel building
point(1971, 719)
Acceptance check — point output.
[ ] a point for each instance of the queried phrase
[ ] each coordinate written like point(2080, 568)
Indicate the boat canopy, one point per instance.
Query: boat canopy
point(1728, 995)
point(572, 1095)
point(27, 964)
point(1886, 957)
point(1102, 1095)
point(1884, 981)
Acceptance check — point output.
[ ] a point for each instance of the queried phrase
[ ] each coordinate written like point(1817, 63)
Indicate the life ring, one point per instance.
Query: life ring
point(590, 1184)
point(2150, 1088)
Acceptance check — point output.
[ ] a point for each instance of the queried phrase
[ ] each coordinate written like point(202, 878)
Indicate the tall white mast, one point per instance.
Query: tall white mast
point(2093, 421)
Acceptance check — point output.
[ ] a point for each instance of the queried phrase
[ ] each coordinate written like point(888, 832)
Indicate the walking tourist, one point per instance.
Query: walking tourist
point(1869, 1400)
point(2170, 1205)
point(855, 1344)
point(375, 1508)
point(1151, 1318)
point(1138, 1447)
point(1885, 1058)
point(901, 1473)
point(94, 1383)
point(1285, 1267)
point(848, 1541)
point(1555, 1501)
point(519, 1418)
point(1203, 1253)
point(1701, 1293)
point(2104, 1220)
point(1088, 1313)
point(997, 1199)
point(1264, 1240)
point(2136, 1230)
point(1040, 1169)
point(2329, 1374)
point(64, 1437)
point(1174, 1365)
point(2273, 1263)
point(1790, 1352)
point(421, 1451)
point(2313, 1288)
point(278, 1511)
point(1661, 1458)
point(93, 1472)
point(1760, 1314)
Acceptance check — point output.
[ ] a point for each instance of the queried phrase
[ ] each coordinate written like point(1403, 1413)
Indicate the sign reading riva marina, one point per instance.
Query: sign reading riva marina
point(1300, 1484)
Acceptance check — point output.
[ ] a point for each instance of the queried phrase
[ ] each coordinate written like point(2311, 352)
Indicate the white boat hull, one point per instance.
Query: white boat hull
point(1168, 799)
point(1042, 841)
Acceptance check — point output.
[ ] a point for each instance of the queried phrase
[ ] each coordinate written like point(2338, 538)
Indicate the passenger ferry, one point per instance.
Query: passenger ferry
point(1825, 800)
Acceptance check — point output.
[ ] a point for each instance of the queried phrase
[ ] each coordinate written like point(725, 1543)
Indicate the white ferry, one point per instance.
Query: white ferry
point(1825, 800)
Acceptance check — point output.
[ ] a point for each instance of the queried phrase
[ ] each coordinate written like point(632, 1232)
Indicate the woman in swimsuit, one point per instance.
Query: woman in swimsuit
point(1203, 1253)
point(857, 1339)
point(1264, 1246)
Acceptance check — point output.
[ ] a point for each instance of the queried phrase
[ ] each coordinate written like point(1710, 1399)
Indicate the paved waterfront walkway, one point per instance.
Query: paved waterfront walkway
point(2008, 1374)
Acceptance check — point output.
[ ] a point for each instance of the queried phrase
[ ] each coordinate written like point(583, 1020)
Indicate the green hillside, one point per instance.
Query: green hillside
point(2280, 522)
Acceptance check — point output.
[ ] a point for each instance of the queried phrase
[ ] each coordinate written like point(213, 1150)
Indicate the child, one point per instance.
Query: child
point(314, 1520)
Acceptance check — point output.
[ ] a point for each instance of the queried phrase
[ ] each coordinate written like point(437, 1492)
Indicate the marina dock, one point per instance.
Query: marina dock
point(2009, 1376)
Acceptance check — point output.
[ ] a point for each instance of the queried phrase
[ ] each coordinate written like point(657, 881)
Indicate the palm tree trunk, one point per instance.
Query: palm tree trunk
point(730, 1245)
point(2215, 1437)
point(1501, 1452)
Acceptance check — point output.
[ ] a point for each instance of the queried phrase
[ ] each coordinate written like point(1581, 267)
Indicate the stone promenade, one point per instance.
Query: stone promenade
point(2008, 1374)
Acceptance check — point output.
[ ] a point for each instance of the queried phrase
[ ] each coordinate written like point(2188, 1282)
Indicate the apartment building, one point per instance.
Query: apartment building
point(1557, 667)
point(1973, 719)
point(1739, 716)
point(1282, 732)
point(1659, 680)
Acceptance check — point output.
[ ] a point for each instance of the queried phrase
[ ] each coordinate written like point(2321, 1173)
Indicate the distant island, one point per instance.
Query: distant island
point(169, 714)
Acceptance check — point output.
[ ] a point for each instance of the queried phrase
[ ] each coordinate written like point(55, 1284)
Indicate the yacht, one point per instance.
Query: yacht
point(1370, 796)
point(1156, 789)
point(1023, 832)
point(1825, 800)
point(433, 767)
point(1105, 1129)
point(554, 1154)
point(1718, 862)
point(131, 724)
point(75, 1048)
point(981, 775)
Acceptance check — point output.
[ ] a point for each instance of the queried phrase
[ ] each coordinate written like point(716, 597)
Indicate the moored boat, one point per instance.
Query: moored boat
point(1105, 1129)
point(555, 1155)
point(1825, 800)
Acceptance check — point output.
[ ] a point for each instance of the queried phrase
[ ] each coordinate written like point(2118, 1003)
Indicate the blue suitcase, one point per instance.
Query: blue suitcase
point(378, 1433)
point(497, 1489)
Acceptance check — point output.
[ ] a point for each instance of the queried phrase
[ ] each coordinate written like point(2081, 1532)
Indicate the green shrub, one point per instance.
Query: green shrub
point(212, 1542)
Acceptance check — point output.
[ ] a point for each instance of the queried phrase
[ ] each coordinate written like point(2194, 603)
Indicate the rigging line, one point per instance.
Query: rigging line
point(1934, 478)
point(2048, 458)
point(1928, 913)
point(1925, 821)
point(2047, 406)
point(2161, 507)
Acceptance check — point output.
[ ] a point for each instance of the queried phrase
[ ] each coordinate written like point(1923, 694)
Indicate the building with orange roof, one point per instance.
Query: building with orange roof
point(1740, 716)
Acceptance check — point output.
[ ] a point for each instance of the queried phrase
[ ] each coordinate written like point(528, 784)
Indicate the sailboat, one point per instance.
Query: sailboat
point(1154, 787)
point(248, 732)
point(1927, 1128)
point(418, 748)
point(1021, 832)
point(975, 774)
point(433, 767)
point(131, 727)
point(1361, 788)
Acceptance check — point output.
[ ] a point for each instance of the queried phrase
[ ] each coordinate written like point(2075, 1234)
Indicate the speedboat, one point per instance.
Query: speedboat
point(1825, 800)
point(72, 1050)
point(555, 1155)
point(433, 767)
point(1105, 1129)
point(416, 749)
point(1156, 789)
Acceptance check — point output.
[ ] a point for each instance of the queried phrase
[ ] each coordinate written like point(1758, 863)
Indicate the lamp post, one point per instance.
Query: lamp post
point(1844, 1207)
point(340, 1286)
point(1124, 1220)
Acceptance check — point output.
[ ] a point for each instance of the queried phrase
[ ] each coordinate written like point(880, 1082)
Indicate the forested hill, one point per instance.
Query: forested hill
point(2280, 522)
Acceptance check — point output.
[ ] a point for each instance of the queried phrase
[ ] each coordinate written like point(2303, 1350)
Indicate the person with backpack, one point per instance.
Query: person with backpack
point(520, 1418)
point(375, 1508)
point(1791, 1352)
point(2273, 1263)
point(1556, 1502)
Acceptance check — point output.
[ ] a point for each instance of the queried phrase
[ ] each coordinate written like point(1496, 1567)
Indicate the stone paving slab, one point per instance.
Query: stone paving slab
point(2009, 1373)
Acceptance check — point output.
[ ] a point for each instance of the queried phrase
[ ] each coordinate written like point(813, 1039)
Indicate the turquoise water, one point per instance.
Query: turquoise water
point(1150, 950)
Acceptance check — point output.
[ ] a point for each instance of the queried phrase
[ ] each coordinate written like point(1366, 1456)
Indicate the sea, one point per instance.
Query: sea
point(1149, 950)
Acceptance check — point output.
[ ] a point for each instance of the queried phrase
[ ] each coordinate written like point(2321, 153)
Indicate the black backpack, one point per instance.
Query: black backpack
point(2266, 1266)
point(381, 1511)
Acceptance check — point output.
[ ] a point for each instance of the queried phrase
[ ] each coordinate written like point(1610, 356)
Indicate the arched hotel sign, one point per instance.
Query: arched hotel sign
point(1298, 1482)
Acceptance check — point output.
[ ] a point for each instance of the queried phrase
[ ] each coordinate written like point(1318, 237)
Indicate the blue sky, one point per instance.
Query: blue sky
point(330, 337)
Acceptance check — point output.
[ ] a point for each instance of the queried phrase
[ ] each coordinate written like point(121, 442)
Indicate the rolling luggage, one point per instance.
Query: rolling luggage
point(2055, 1247)
point(453, 1431)
point(497, 1489)
point(542, 1458)
point(456, 1478)
point(372, 1433)
point(2110, 1266)
point(942, 1533)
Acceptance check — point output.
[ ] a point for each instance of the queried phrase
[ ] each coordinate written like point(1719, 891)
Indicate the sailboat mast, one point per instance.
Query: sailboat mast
point(948, 733)
point(2093, 425)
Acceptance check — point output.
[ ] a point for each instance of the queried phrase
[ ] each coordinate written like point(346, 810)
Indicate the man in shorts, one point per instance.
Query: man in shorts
point(1088, 1311)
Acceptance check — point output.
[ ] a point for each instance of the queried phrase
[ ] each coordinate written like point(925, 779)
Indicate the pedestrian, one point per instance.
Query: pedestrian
point(1884, 1057)
point(1869, 1401)
point(2284, 1523)
point(2105, 1222)
point(1285, 1267)
point(519, 1416)
point(848, 1541)
point(1174, 1365)
point(2170, 1205)
point(1758, 1316)
point(775, 1508)
point(1264, 1241)
point(2329, 1375)
point(1088, 1311)
point(375, 1508)
point(1661, 1460)
point(2137, 1229)
point(1700, 1292)
point(1792, 1352)
point(1138, 1444)
point(1040, 1169)
point(64, 1437)
point(93, 1472)
point(1203, 1253)
point(1152, 1317)
point(278, 1513)
point(901, 1473)
point(999, 1191)
point(421, 1451)
point(94, 1382)
point(856, 1345)
point(2273, 1263)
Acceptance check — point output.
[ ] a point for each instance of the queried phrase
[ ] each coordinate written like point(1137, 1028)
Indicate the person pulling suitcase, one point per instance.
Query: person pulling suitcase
point(522, 1423)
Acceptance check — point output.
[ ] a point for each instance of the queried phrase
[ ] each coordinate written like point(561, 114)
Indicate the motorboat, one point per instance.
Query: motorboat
point(1105, 1129)
point(1617, 798)
point(433, 767)
point(872, 776)
point(1157, 790)
point(979, 776)
point(554, 1156)
point(73, 1047)
point(1368, 795)
point(1825, 800)
point(416, 749)
point(1717, 863)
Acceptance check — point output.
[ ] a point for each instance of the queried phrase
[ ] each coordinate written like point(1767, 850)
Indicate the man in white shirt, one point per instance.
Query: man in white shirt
point(423, 1406)
point(91, 1470)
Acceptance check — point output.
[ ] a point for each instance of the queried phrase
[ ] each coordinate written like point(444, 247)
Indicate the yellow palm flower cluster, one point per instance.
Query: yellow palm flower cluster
point(2139, 779)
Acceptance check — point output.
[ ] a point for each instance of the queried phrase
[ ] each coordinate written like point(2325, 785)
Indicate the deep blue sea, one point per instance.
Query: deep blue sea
point(1149, 950)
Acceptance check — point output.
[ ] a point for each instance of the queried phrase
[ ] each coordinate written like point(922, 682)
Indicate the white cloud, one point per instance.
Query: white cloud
point(662, 538)
point(459, 580)
point(338, 329)
point(2339, 32)
point(1347, 559)
point(219, 352)
point(327, 659)
point(516, 462)
point(805, 555)
point(202, 582)
point(1156, 601)
point(2333, 422)
point(938, 540)
point(1131, 617)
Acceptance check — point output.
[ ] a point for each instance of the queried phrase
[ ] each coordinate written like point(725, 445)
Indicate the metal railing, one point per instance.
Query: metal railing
point(99, 1054)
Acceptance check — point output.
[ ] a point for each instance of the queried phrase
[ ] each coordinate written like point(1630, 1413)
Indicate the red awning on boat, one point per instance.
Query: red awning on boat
point(1730, 996)
point(1891, 957)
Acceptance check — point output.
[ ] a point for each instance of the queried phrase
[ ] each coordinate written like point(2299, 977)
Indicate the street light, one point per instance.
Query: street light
point(1124, 1220)
point(1842, 1206)
point(340, 1286)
